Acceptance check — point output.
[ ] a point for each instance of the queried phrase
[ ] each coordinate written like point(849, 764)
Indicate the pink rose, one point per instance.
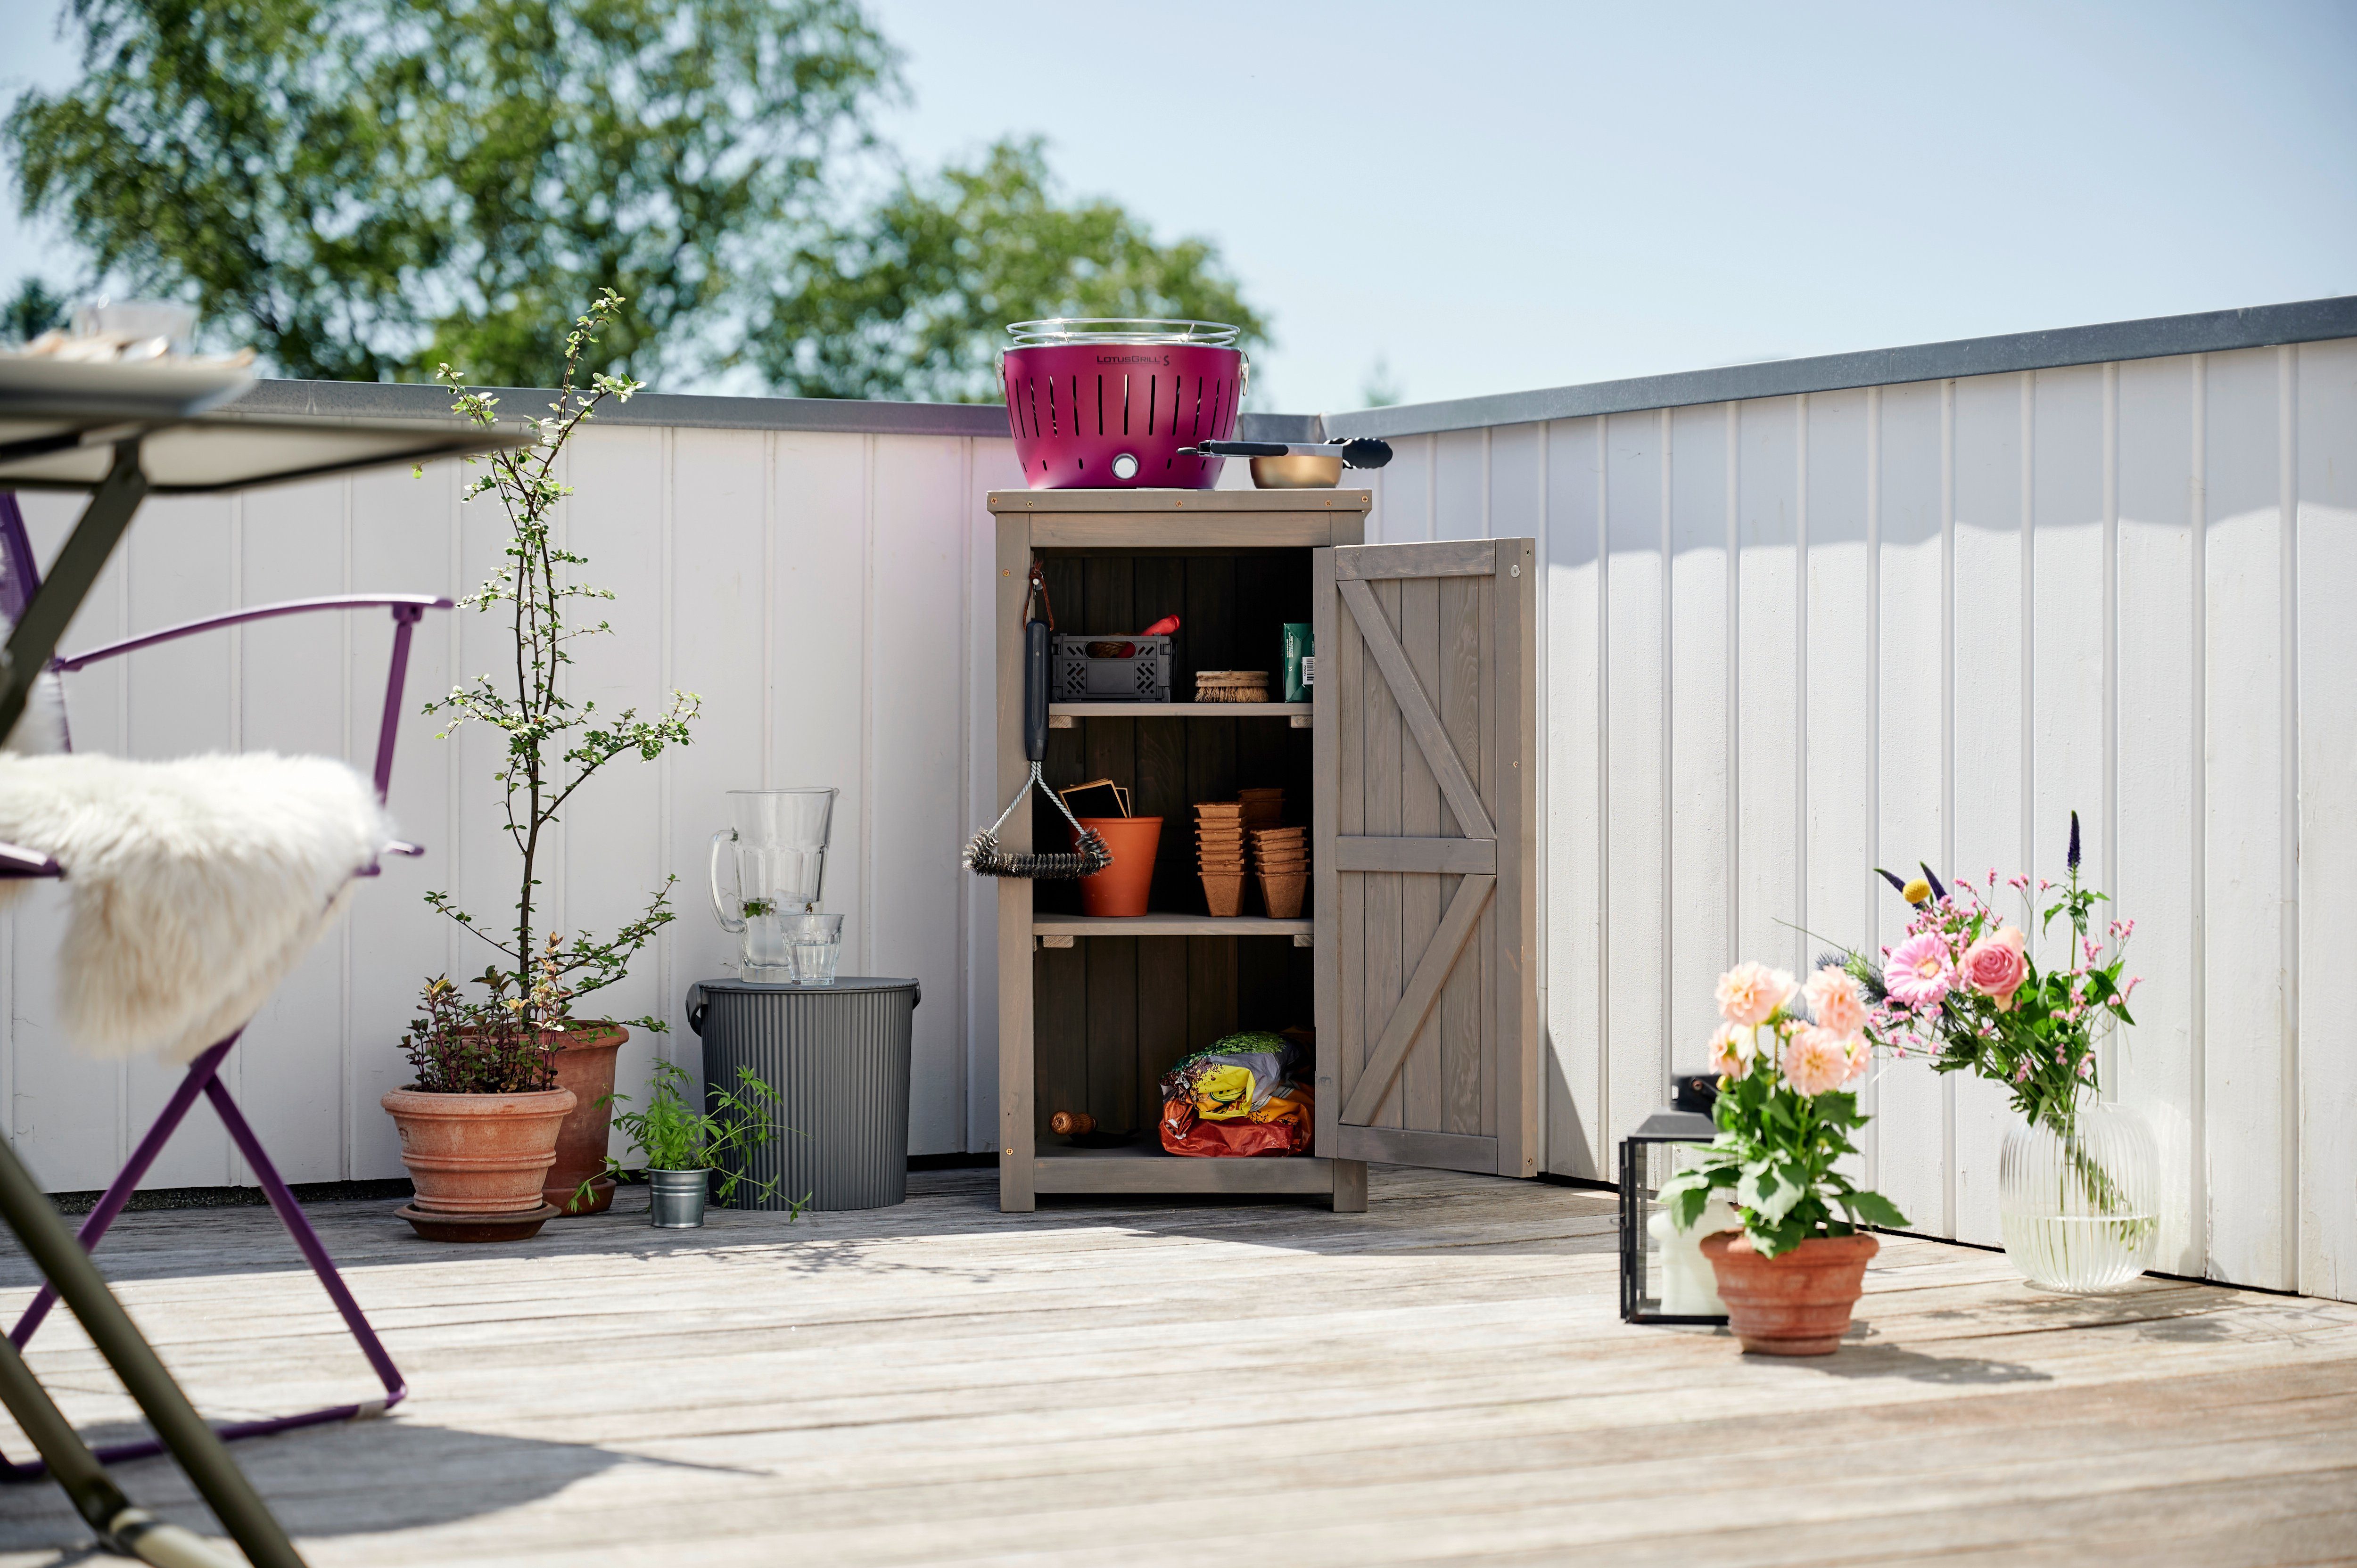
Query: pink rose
point(1918, 972)
point(1816, 1061)
point(1749, 992)
point(1995, 966)
point(1836, 999)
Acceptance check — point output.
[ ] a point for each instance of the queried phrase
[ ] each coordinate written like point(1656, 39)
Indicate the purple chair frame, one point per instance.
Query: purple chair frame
point(19, 576)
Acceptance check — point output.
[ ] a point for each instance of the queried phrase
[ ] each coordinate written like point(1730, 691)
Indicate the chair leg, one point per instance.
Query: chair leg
point(194, 1444)
point(204, 1076)
point(200, 1072)
point(110, 1515)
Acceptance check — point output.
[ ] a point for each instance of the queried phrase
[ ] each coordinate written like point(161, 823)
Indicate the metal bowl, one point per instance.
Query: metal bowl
point(1296, 472)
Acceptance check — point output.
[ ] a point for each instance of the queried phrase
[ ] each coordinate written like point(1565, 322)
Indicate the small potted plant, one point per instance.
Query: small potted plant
point(1794, 1271)
point(685, 1149)
point(552, 745)
point(478, 1125)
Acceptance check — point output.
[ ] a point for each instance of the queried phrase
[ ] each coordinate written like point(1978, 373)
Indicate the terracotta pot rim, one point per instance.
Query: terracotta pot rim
point(1739, 1242)
point(429, 1102)
point(587, 1036)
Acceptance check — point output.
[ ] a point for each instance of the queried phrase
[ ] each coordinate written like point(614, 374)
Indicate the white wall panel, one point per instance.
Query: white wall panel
point(1951, 613)
point(1784, 640)
point(2325, 395)
point(813, 589)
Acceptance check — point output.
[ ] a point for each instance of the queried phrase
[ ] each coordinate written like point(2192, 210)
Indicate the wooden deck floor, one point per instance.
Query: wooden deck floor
point(1441, 1379)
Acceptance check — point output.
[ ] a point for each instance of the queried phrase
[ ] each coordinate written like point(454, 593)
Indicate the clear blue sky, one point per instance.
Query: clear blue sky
point(1499, 196)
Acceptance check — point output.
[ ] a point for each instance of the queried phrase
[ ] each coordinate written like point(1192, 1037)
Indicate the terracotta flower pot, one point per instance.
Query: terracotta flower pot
point(1121, 888)
point(585, 1064)
point(479, 1154)
point(1797, 1303)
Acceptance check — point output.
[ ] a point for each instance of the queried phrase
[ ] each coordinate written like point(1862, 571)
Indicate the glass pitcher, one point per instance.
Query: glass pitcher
point(776, 857)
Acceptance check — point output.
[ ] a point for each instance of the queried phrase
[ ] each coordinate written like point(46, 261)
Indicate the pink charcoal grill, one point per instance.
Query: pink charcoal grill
point(1106, 404)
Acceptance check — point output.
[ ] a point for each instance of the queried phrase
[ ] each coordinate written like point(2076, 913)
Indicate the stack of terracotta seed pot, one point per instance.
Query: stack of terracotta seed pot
point(1281, 858)
point(1219, 855)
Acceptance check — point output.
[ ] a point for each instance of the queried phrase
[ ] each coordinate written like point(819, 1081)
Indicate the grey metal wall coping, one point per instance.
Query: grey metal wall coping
point(388, 400)
point(2211, 332)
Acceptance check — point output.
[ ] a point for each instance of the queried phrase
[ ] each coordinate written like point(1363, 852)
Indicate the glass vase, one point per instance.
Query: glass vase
point(2081, 1207)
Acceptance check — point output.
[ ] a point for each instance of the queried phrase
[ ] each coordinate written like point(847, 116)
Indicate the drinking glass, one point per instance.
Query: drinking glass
point(815, 942)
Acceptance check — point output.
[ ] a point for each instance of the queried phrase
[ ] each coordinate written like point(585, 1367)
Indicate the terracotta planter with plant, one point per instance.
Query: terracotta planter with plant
point(523, 1042)
point(1785, 1055)
point(585, 1064)
point(1796, 1303)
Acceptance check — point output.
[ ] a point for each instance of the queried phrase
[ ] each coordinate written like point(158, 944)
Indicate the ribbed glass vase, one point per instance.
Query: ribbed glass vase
point(2081, 1209)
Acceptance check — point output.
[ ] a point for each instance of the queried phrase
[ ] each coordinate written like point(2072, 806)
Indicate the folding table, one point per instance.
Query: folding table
point(120, 433)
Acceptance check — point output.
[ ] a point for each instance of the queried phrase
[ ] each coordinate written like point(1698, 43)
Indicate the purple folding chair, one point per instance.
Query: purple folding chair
point(19, 576)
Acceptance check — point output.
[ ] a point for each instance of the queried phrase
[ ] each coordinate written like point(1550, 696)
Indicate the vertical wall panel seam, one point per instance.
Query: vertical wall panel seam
point(1871, 1157)
point(666, 955)
point(2287, 797)
point(1948, 757)
point(122, 720)
point(2198, 623)
point(961, 982)
point(1432, 487)
point(2110, 885)
point(1668, 761)
point(1603, 788)
point(2029, 462)
point(1487, 532)
point(1543, 764)
point(234, 1068)
point(1734, 591)
point(345, 1086)
point(1801, 674)
point(869, 621)
point(769, 608)
point(454, 636)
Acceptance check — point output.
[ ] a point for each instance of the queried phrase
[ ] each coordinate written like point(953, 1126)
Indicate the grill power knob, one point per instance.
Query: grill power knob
point(1124, 467)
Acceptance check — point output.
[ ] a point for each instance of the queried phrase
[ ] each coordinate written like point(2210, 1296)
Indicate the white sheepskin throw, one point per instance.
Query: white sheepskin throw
point(195, 886)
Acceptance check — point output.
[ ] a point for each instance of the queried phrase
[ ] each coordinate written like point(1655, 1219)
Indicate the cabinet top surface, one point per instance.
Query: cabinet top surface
point(1156, 502)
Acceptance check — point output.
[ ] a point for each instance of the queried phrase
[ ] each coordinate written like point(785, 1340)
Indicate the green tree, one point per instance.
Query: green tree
point(363, 189)
point(913, 300)
point(32, 310)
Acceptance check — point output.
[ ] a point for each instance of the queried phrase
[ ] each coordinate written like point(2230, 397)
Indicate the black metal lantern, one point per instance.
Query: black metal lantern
point(1663, 1276)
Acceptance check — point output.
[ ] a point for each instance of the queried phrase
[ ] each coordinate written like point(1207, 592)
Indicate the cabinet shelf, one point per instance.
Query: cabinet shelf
point(1143, 1168)
point(1063, 716)
point(1152, 925)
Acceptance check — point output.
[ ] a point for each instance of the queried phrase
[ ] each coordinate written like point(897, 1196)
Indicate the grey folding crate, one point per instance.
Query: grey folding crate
point(1143, 677)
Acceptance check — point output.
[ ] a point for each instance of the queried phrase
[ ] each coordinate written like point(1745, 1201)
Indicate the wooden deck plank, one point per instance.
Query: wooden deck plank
point(942, 1384)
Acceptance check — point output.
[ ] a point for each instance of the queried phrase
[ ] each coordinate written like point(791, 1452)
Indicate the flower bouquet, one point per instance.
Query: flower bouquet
point(2078, 1179)
point(1785, 1056)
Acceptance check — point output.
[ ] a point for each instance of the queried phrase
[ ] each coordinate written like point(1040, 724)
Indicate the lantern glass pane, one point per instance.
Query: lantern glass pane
point(1666, 1276)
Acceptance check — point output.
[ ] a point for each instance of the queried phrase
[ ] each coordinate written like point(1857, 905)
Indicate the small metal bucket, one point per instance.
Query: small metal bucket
point(678, 1199)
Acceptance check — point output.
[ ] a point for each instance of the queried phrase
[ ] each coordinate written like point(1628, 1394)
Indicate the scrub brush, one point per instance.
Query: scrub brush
point(986, 856)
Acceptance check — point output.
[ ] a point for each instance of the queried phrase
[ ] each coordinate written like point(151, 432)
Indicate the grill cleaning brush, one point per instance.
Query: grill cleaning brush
point(986, 856)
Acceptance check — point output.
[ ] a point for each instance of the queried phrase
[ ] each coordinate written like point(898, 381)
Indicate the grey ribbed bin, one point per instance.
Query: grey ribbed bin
point(838, 1055)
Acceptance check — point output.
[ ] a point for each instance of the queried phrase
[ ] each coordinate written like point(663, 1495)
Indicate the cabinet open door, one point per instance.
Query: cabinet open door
point(1426, 854)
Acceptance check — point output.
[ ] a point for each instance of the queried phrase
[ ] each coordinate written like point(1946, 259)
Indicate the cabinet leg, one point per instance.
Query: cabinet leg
point(1350, 1187)
point(1016, 1192)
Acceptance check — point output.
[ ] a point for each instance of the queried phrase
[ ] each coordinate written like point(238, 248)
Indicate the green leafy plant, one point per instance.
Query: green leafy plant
point(494, 1047)
point(555, 745)
point(1783, 1111)
point(670, 1134)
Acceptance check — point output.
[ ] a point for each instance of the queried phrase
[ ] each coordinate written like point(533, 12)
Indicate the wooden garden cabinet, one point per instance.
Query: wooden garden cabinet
point(1413, 766)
